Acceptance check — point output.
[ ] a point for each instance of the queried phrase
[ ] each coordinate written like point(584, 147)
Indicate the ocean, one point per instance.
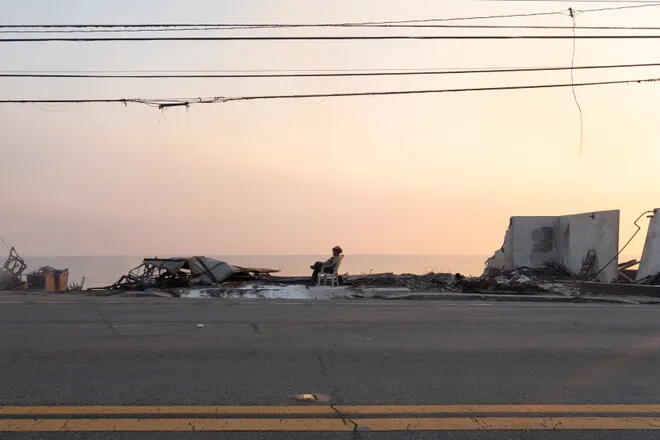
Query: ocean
point(104, 270)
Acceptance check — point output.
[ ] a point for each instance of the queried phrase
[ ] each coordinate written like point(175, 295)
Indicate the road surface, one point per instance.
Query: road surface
point(79, 367)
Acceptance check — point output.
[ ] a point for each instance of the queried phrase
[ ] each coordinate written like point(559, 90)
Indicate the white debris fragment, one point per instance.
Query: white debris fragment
point(290, 291)
point(309, 397)
point(523, 279)
point(560, 289)
point(194, 293)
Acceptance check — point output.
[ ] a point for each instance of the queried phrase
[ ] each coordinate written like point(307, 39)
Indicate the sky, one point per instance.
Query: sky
point(415, 174)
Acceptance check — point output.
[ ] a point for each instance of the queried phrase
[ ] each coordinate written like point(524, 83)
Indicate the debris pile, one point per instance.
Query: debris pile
point(651, 280)
point(44, 278)
point(547, 278)
point(164, 273)
point(11, 271)
point(521, 281)
point(428, 282)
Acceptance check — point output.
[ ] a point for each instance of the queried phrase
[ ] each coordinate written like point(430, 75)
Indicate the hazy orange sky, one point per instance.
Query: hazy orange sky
point(428, 174)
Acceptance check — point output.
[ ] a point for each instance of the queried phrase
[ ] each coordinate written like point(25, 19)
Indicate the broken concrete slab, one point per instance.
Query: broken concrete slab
point(538, 241)
point(650, 264)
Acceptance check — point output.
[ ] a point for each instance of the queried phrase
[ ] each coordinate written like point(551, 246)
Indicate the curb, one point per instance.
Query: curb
point(509, 298)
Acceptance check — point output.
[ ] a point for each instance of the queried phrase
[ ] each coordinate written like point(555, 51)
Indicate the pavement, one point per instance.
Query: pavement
point(153, 368)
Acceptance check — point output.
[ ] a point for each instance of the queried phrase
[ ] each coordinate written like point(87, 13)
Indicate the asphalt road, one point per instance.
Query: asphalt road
point(82, 351)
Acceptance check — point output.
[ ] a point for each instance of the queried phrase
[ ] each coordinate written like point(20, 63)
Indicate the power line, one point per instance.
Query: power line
point(363, 23)
point(616, 8)
point(321, 75)
point(171, 102)
point(365, 26)
point(263, 70)
point(329, 38)
point(258, 25)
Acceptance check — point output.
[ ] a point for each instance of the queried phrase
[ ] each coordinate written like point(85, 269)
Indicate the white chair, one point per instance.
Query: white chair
point(331, 277)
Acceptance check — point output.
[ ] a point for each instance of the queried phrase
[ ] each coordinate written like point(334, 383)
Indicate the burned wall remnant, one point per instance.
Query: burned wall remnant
point(649, 266)
point(533, 241)
point(580, 243)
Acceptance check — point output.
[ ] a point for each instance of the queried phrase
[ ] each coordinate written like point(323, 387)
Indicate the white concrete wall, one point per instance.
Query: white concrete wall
point(533, 240)
point(650, 263)
point(579, 233)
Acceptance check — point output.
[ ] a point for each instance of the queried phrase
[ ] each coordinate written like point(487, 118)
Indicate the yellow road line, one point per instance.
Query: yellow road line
point(245, 410)
point(381, 424)
point(439, 409)
point(326, 410)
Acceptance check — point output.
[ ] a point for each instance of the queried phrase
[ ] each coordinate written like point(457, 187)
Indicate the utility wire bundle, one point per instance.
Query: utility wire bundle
point(73, 31)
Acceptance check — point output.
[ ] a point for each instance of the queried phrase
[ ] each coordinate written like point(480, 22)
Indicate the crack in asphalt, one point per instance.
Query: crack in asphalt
point(16, 357)
point(355, 435)
point(326, 376)
point(104, 318)
point(255, 329)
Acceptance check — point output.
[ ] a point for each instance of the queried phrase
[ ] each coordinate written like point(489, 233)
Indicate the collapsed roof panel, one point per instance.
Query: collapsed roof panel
point(202, 269)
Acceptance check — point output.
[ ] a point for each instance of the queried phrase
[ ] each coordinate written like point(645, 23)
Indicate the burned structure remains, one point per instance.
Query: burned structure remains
point(584, 245)
point(185, 272)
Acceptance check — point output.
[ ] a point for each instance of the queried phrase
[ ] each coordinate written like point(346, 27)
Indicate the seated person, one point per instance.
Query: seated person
point(328, 266)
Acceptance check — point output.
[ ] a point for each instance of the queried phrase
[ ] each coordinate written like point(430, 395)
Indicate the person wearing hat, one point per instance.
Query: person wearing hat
point(328, 266)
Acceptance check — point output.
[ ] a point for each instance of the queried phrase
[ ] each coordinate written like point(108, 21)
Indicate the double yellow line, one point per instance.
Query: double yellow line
point(327, 418)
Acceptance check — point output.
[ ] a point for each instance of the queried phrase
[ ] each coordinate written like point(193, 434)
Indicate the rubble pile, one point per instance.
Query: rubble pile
point(429, 282)
point(521, 281)
point(548, 278)
point(651, 280)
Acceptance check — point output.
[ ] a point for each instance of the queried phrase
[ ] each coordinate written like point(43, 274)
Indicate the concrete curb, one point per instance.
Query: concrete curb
point(510, 298)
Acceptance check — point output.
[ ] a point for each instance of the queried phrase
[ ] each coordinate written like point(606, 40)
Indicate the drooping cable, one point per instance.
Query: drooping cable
point(575, 98)
point(168, 102)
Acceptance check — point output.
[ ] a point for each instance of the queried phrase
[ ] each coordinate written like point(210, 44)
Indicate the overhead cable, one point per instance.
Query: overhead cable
point(19, 74)
point(171, 102)
point(427, 20)
point(329, 38)
point(156, 28)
